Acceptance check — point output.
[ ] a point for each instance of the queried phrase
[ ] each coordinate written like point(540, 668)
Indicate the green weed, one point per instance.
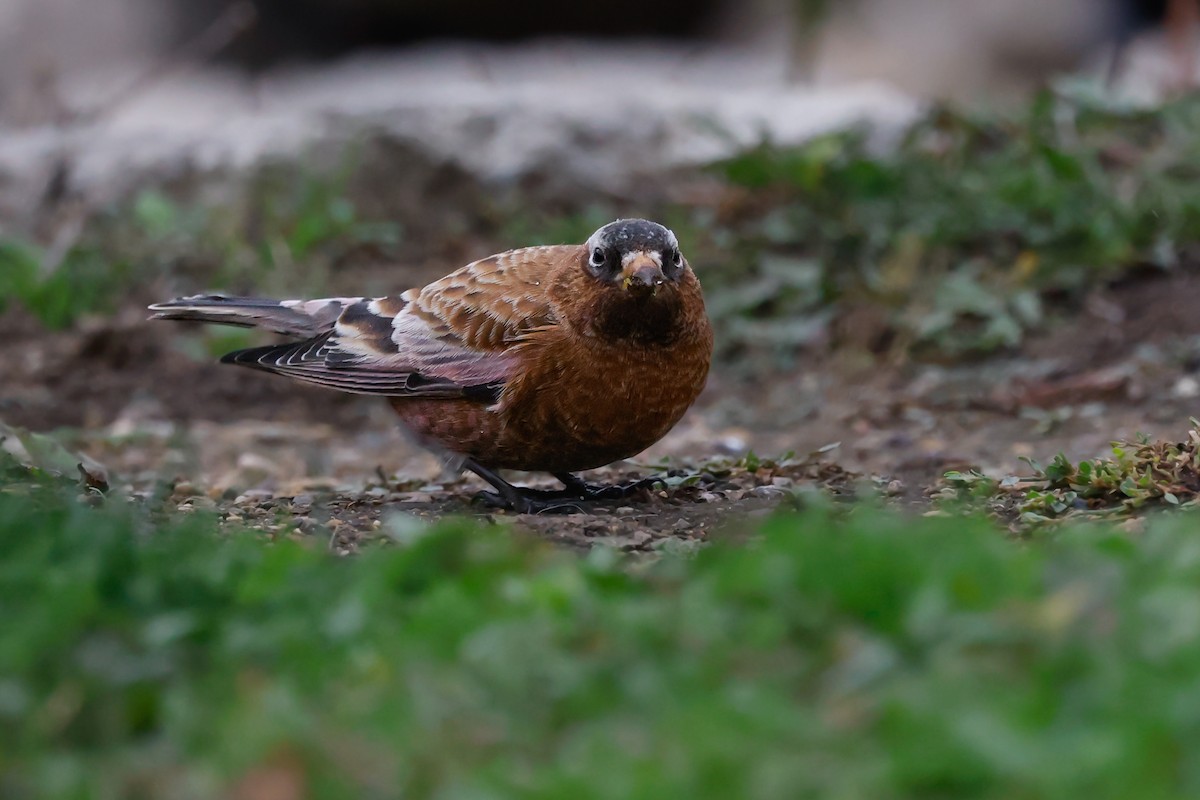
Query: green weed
point(1137, 475)
point(856, 655)
point(83, 282)
point(286, 236)
point(970, 223)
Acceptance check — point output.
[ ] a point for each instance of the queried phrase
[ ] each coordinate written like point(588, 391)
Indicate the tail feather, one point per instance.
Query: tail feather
point(289, 317)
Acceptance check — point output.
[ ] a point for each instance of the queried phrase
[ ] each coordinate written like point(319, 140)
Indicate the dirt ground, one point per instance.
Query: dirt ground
point(171, 424)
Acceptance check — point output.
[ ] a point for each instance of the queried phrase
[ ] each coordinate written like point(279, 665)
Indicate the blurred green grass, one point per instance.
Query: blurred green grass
point(976, 218)
point(959, 234)
point(847, 654)
point(284, 237)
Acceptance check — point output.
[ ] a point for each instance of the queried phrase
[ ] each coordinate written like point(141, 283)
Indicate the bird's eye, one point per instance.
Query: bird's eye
point(598, 257)
point(677, 259)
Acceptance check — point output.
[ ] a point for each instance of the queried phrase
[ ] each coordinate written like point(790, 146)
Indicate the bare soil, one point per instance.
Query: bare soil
point(174, 426)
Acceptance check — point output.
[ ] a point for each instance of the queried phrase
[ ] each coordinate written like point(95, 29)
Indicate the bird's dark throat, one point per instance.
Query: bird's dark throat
point(638, 316)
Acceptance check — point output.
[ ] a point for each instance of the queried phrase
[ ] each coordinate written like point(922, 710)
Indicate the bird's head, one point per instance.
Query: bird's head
point(636, 256)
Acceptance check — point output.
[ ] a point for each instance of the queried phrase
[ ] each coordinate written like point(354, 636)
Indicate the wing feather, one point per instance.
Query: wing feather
point(454, 338)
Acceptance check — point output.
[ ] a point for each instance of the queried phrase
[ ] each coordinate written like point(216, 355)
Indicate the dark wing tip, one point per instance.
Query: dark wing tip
point(265, 357)
point(303, 361)
point(191, 300)
point(234, 357)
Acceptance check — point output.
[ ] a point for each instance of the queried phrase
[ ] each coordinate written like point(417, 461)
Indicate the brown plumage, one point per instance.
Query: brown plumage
point(554, 359)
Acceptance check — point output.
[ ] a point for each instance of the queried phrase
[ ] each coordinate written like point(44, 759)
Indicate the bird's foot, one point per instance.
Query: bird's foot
point(532, 501)
point(577, 487)
point(524, 500)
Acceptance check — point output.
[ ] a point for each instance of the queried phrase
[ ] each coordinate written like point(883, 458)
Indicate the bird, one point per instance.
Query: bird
point(553, 358)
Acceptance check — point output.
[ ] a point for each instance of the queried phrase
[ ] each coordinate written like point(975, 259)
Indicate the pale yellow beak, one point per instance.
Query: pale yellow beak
point(643, 271)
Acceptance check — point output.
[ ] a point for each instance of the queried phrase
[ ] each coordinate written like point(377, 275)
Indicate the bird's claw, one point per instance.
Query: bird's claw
point(524, 500)
point(579, 488)
point(542, 502)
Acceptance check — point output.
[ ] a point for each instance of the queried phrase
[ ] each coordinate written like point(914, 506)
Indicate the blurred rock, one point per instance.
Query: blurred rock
point(293, 30)
point(101, 97)
point(601, 118)
point(980, 51)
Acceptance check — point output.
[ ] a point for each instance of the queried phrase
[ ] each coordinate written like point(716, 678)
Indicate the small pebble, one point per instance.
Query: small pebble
point(633, 541)
point(253, 496)
point(1186, 387)
point(625, 511)
point(637, 539)
point(307, 524)
point(731, 443)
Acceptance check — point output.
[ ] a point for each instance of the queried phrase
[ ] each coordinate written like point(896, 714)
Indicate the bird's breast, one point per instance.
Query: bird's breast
point(589, 402)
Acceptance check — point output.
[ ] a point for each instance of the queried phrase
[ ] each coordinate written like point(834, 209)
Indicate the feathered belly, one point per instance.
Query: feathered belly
point(556, 418)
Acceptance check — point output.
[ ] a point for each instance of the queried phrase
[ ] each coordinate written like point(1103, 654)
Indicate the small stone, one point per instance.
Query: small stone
point(1186, 387)
point(709, 497)
point(676, 545)
point(637, 539)
point(782, 482)
point(625, 511)
point(307, 524)
point(894, 488)
point(633, 541)
point(768, 492)
point(259, 496)
point(731, 443)
point(302, 501)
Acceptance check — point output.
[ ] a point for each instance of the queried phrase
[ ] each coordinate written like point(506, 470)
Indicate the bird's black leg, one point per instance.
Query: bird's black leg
point(578, 487)
point(521, 499)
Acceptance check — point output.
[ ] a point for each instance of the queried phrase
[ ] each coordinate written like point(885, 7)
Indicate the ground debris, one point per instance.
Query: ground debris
point(1135, 477)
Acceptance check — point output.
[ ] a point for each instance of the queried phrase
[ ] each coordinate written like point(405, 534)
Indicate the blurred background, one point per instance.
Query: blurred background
point(941, 241)
point(54, 51)
point(905, 194)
